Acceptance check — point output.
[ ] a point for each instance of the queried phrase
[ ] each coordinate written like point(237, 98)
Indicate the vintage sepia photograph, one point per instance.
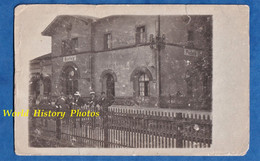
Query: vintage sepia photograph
point(123, 80)
point(149, 77)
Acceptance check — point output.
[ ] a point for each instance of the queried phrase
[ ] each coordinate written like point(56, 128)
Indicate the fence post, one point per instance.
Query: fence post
point(58, 126)
point(105, 126)
point(179, 138)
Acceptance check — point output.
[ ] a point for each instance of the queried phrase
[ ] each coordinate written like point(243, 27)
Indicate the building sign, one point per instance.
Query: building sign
point(69, 58)
point(192, 52)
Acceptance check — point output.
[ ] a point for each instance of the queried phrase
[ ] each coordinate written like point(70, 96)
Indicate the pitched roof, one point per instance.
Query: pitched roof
point(48, 30)
point(43, 57)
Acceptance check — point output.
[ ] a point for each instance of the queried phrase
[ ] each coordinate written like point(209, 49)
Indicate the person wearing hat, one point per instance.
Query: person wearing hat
point(61, 105)
point(61, 101)
point(92, 103)
point(104, 103)
point(78, 101)
point(78, 104)
point(93, 100)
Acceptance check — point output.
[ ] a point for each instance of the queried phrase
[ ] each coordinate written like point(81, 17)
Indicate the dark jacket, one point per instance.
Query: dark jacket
point(79, 102)
point(104, 102)
point(93, 102)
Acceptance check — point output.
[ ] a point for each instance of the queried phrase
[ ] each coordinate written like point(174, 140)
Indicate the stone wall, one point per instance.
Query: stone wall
point(122, 29)
point(123, 62)
point(82, 63)
point(80, 30)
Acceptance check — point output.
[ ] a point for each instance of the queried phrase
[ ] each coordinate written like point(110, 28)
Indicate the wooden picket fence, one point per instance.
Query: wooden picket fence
point(128, 127)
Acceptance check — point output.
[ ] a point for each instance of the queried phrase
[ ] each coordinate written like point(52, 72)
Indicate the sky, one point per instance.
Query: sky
point(32, 20)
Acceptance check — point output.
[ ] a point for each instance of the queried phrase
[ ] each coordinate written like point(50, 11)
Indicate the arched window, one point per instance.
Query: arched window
point(108, 79)
point(110, 85)
point(70, 80)
point(143, 82)
point(141, 78)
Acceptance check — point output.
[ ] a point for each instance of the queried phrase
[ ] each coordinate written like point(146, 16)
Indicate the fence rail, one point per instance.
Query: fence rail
point(122, 127)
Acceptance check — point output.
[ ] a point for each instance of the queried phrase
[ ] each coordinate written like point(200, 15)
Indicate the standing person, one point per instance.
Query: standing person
point(61, 101)
point(69, 102)
point(92, 103)
point(60, 105)
point(78, 101)
point(93, 100)
point(104, 102)
point(78, 104)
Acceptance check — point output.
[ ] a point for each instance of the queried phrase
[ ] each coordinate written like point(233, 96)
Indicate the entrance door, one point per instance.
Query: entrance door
point(110, 85)
point(70, 78)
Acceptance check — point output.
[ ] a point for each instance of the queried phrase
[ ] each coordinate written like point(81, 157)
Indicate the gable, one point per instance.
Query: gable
point(64, 22)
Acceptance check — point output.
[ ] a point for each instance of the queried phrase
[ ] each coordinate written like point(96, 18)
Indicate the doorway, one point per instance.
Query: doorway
point(70, 80)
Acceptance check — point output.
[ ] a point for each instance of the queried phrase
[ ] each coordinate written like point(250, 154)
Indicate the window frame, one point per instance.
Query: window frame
point(107, 41)
point(76, 44)
point(71, 82)
point(145, 85)
point(138, 35)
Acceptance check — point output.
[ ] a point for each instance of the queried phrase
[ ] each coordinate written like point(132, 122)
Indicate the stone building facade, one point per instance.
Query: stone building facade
point(163, 61)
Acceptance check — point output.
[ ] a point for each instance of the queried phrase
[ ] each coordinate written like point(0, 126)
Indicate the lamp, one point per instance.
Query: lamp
point(157, 42)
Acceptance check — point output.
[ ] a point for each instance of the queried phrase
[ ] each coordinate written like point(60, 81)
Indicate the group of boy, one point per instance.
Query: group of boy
point(77, 102)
